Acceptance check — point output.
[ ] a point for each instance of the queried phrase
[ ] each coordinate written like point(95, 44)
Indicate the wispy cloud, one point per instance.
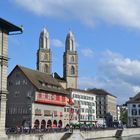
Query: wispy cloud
point(87, 52)
point(57, 43)
point(116, 74)
point(119, 12)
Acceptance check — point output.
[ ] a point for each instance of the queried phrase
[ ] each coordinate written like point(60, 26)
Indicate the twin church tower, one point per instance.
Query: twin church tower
point(70, 59)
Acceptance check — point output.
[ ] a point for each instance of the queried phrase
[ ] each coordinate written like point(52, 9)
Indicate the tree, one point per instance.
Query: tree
point(124, 116)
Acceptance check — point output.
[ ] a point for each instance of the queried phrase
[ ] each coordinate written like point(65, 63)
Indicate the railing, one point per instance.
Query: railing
point(59, 130)
point(35, 131)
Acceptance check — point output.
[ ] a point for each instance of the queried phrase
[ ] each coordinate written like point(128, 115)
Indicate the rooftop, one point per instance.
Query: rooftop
point(100, 92)
point(9, 27)
point(41, 81)
point(135, 99)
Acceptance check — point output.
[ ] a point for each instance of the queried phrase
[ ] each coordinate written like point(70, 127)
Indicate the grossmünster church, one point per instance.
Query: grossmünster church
point(70, 59)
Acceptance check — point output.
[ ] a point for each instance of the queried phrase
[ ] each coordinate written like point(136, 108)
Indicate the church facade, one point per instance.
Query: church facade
point(70, 59)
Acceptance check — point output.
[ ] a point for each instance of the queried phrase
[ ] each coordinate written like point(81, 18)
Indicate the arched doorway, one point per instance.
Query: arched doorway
point(60, 123)
point(54, 123)
point(36, 124)
point(43, 124)
point(49, 123)
point(135, 122)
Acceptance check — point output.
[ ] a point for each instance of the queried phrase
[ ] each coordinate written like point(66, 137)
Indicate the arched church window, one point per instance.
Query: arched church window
point(45, 57)
point(72, 59)
point(72, 70)
point(72, 44)
point(46, 68)
point(46, 42)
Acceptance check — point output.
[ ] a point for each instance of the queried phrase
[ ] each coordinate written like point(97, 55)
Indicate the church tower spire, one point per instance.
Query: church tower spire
point(70, 62)
point(44, 53)
point(70, 42)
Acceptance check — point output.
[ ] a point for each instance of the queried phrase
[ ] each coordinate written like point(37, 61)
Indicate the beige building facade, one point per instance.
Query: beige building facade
point(105, 103)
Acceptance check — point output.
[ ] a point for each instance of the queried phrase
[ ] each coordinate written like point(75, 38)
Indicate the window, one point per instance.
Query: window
point(86, 110)
point(29, 93)
point(10, 83)
point(45, 57)
point(18, 82)
point(57, 97)
point(73, 95)
point(17, 75)
point(134, 105)
point(93, 111)
point(65, 109)
point(82, 109)
point(24, 82)
point(82, 102)
point(72, 42)
point(82, 97)
point(46, 96)
point(39, 95)
point(46, 68)
point(16, 93)
point(43, 84)
point(52, 97)
point(72, 59)
point(134, 112)
point(37, 112)
point(49, 86)
point(63, 99)
point(72, 70)
point(78, 102)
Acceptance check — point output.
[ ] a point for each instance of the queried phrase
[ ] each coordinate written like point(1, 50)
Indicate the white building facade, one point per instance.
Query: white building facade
point(134, 111)
point(84, 106)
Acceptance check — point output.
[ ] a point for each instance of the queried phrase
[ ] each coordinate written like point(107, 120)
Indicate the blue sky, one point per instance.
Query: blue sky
point(107, 34)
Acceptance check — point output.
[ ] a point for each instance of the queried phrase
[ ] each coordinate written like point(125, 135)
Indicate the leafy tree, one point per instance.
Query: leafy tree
point(124, 116)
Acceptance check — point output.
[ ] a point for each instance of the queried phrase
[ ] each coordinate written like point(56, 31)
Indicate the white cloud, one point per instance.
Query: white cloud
point(120, 12)
point(119, 67)
point(87, 52)
point(57, 43)
point(116, 74)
